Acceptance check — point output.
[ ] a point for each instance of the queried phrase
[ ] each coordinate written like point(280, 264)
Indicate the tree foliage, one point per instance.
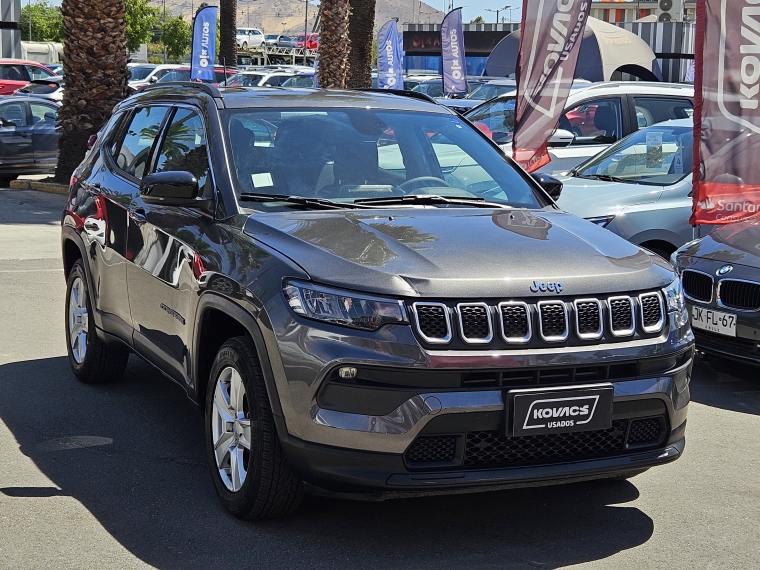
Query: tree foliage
point(177, 36)
point(47, 22)
point(141, 19)
point(478, 20)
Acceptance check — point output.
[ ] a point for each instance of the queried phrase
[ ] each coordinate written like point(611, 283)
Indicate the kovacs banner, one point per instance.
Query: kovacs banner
point(390, 74)
point(550, 39)
point(204, 44)
point(452, 50)
point(726, 178)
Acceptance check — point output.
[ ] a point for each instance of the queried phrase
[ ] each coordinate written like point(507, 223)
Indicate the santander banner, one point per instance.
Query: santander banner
point(726, 178)
point(204, 45)
point(390, 72)
point(550, 39)
point(452, 50)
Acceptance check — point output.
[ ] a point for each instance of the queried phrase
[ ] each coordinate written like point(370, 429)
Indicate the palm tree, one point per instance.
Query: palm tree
point(228, 32)
point(95, 63)
point(361, 28)
point(334, 44)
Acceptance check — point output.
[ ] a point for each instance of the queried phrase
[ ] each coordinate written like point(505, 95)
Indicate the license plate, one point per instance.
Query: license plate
point(577, 408)
point(713, 321)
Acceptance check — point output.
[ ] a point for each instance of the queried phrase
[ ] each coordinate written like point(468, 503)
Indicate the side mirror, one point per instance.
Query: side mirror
point(173, 188)
point(561, 138)
point(551, 185)
point(153, 79)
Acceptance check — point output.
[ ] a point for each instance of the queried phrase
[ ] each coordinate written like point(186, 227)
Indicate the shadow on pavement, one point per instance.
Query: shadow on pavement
point(725, 384)
point(29, 207)
point(132, 454)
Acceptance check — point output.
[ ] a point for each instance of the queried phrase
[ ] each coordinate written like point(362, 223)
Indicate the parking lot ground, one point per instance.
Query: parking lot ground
point(115, 476)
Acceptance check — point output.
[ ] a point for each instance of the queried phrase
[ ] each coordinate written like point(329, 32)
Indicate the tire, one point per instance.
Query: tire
point(91, 360)
point(236, 403)
point(244, 47)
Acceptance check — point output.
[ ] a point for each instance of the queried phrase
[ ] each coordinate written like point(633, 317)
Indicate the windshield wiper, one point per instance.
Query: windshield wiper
point(603, 177)
point(299, 200)
point(430, 199)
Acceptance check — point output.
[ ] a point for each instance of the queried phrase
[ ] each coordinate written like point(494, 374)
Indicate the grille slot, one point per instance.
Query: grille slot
point(553, 320)
point(652, 313)
point(588, 318)
point(432, 449)
point(621, 316)
point(697, 286)
point(645, 431)
point(742, 295)
point(433, 322)
point(475, 323)
point(515, 322)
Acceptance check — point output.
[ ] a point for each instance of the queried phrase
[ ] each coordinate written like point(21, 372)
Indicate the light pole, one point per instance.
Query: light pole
point(497, 11)
point(30, 20)
point(305, 26)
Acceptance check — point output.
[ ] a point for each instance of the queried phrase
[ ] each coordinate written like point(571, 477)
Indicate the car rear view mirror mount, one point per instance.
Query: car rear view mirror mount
point(173, 188)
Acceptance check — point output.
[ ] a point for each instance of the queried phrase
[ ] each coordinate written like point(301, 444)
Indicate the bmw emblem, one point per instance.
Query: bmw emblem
point(725, 270)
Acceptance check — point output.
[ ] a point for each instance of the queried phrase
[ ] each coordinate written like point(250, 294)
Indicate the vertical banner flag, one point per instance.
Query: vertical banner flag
point(204, 45)
point(390, 73)
point(726, 178)
point(452, 50)
point(550, 39)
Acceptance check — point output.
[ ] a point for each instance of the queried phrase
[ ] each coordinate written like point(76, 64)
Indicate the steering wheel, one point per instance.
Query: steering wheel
point(426, 182)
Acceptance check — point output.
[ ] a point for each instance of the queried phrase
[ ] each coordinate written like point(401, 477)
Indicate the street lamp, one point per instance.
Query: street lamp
point(497, 11)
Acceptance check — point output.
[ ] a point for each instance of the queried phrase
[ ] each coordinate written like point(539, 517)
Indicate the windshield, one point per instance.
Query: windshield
point(346, 155)
point(496, 119)
point(245, 79)
point(271, 36)
point(140, 73)
point(299, 81)
point(489, 91)
point(659, 155)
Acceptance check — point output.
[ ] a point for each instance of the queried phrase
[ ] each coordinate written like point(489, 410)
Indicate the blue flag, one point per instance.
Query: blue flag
point(452, 50)
point(390, 66)
point(204, 44)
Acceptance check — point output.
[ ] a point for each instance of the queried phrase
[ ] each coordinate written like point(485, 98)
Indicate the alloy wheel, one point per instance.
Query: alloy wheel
point(231, 429)
point(78, 320)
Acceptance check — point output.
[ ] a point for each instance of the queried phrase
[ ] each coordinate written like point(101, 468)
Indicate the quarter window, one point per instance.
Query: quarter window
point(594, 122)
point(184, 147)
point(134, 150)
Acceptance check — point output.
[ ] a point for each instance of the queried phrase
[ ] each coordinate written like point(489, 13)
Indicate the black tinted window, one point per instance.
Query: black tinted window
point(13, 115)
point(184, 147)
point(651, 110)
point(134, 150)
point(13, 73)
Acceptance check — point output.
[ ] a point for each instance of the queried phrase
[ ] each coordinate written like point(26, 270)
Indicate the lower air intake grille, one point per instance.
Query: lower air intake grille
point(432, 321)
point(740, 294)
point(644, 431)
point(698, 286)
point(431, 449)
point(621, 315)
point(489, 449)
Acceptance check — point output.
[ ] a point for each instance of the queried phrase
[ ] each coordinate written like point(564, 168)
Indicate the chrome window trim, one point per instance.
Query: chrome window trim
point(589, 336)
point(712, 289)
point(469, 340)
point(624, 332)
point(730, 308)
point(528, 316)
point(552, 338)
point(447, 338)
point(657, 327)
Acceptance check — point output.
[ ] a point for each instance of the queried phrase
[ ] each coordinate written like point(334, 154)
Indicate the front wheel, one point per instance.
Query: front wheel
point(244, 47)
point(250, 474)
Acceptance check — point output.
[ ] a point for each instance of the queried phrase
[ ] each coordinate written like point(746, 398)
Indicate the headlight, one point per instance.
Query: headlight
point(675, 302)
point(601, 220)
point(343, 307)
point(684, 247)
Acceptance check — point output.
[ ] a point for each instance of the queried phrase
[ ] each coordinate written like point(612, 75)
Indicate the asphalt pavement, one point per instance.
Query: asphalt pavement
point(115, 476)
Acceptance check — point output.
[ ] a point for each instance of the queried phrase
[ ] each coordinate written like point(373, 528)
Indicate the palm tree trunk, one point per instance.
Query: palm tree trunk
point(361, 27)
point(334, 44)
point(228, 32)
point(95, 63)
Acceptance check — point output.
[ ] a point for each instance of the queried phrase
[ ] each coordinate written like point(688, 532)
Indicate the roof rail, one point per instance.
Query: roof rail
point(207, 88)
point(400, 93)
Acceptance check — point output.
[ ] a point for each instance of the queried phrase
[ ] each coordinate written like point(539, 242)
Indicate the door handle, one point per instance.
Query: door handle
point(23, 134)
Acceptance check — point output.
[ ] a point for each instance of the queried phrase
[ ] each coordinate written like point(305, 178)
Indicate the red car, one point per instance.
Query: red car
point(16, 73)
point(312, 41)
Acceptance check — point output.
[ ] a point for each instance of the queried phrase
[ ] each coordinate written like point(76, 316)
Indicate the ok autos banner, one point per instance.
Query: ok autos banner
point(550, 38)
point(452, 50)
point(204, 45)
point(390, 72)
point(726, 176)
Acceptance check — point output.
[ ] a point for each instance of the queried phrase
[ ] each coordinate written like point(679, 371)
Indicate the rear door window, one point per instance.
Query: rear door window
point(43, 114)
point(13, 115)
point(11, 72)
point(36, 72)
point(134, 148)
point(594, 122)
point(652, 110)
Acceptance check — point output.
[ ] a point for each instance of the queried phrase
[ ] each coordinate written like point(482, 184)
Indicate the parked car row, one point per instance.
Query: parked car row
point(251, 38)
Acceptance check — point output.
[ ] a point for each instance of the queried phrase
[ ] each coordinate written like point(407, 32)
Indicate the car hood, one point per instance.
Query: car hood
point(458, 253)
point(737, 243)
point(589, 198)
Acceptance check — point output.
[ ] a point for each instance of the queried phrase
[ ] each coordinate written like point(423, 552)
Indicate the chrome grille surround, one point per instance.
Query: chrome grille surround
point(528, 322)
point(747, 294)
point(416, 307)
point(588, 335)
point(623, 331)
point(461, 307)
point(541, 318)
point(686, 289)
point(657, 327)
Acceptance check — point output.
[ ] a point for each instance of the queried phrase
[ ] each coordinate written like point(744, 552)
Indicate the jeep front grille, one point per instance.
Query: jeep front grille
point(475, 322)
point(697, 286)
point(553, 320)
point(742, 295)
point(515, 322)
point(652, 312)
point(621, 316)
point(588, 318)
point(433, 322)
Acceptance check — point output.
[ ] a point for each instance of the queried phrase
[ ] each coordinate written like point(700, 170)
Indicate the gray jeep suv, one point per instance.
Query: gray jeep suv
point(365, 296)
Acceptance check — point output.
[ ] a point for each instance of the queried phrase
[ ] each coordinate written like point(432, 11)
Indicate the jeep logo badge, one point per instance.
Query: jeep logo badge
point(550, 287)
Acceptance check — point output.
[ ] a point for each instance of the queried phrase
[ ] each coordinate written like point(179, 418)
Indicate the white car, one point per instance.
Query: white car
point(248, 38)
point(596, 115)
point(260, 78)
point(146, 74)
